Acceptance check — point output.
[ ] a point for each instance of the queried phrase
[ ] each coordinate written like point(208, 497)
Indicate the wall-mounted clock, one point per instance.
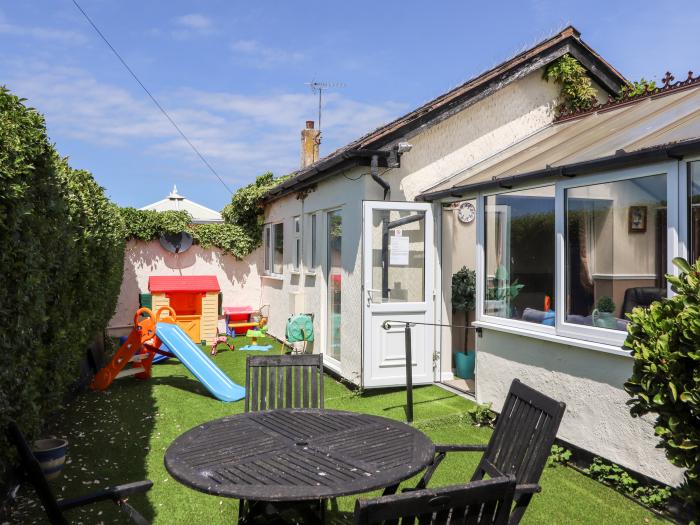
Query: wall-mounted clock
point(466, 212)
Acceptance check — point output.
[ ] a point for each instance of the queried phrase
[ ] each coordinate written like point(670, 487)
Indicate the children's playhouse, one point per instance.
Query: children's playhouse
point(195, 298)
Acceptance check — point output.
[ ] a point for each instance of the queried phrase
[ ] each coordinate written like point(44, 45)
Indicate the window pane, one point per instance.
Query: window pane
point(616, 250)
point(398, 256)
point(297, 254)
point(278, 252)
point(267, 248)
point(694, 214)
point(519, 255)
point(334, 237)
point(314, 253)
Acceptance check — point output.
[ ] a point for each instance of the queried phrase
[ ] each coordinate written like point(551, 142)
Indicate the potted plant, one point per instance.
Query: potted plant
point(499, 298)
point(463, 300)
point(602, 316)
point(51, 455)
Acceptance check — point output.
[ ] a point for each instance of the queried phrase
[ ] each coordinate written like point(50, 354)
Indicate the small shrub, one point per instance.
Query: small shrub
point(463, 290)
point(636, 88)
point(558, 456)
point(482, 415)
point(665, 343)
point(611, 474)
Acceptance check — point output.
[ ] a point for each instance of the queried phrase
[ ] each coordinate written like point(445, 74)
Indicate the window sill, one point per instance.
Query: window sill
point(273, 277)
point(295, 272)
point(554, 338)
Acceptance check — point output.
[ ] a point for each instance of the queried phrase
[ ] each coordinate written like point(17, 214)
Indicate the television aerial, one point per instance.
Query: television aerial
point(320, 87)
point(176, 242)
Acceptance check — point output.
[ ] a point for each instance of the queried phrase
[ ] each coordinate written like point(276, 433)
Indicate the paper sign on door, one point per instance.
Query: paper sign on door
point(398, 249)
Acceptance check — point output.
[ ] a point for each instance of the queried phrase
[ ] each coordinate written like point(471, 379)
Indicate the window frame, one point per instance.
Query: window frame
point(312, 258)
point(481, 263)
point(269, 239)
point(297, 255)
point(677, 195)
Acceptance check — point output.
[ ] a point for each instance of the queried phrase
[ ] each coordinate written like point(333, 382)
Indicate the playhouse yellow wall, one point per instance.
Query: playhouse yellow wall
point(209, 317)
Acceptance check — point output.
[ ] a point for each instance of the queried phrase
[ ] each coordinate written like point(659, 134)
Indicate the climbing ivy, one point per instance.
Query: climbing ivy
point(577, 91)
point(239, 235)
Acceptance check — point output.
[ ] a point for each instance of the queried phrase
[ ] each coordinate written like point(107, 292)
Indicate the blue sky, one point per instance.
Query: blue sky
point(233, 74)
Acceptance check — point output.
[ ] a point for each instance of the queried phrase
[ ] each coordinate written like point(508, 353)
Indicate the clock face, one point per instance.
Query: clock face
point(466, 212)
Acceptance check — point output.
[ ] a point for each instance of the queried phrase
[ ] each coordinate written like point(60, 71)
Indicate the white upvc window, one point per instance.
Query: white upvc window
point(570, 259)
point(312, 261)
point(297, 256)
point(273, 236)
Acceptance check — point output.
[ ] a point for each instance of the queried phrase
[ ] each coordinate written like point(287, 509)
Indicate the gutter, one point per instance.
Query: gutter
point(620, 159)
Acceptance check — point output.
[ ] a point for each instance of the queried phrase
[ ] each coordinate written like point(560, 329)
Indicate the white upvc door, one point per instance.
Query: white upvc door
point(398, 285)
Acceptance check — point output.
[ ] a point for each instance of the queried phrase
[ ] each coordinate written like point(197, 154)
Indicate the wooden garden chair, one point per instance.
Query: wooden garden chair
point(55, 508)
point(485, 502)
point(283, 381)
point(520, 444)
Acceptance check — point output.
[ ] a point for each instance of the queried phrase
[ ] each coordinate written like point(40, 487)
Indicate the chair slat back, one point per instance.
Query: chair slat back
point(524, 435)
point(485, 502)
point(32, 469)
point(284, 381)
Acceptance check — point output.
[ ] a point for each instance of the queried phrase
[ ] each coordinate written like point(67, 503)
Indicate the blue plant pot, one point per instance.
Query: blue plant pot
point(464, 364)
point(51, 455)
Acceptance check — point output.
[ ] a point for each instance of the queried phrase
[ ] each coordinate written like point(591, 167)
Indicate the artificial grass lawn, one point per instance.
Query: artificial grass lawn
point(121, 435)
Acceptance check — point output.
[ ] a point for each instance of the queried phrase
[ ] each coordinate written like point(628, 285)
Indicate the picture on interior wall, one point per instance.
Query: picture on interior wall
point(638, 219)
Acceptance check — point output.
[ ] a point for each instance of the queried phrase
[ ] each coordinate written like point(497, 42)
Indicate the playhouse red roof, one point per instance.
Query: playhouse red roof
point(183, 283)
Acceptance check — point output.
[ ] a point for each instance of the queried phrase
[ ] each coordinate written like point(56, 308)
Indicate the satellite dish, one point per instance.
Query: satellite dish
point(176, 242)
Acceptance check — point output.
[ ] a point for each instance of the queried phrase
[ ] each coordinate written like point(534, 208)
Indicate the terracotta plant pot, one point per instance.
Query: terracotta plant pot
point(51, 455)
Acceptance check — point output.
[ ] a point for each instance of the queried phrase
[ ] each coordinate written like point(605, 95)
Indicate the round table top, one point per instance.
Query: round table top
point(297, 454)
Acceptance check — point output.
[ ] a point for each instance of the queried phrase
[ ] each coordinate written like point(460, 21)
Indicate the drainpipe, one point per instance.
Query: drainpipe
point(374, 172)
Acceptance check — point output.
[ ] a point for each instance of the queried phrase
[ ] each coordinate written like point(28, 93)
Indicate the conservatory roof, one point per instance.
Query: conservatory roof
point(640, 131)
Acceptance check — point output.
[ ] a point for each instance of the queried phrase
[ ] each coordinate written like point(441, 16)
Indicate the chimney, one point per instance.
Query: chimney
point(310, 140)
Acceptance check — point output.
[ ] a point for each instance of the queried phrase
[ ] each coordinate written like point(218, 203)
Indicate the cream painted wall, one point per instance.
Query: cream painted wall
point(458, 250)
point(305, 291)
point(239, 280)
point(474, 134)
point(589, 382)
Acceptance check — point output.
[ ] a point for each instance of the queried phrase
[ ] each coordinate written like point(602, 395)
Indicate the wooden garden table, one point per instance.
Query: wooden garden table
point(297, 455)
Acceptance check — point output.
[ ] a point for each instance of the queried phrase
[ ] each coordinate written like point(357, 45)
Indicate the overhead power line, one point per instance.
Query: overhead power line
point(155, 101)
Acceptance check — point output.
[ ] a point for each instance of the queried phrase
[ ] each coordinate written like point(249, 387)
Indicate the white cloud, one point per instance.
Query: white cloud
point(253, 53)
point(194, 21)
point(40, 33)
point(241, 135)
point(190, 25)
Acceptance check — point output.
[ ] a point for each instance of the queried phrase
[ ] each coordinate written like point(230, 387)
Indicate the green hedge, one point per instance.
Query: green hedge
point(61, 263)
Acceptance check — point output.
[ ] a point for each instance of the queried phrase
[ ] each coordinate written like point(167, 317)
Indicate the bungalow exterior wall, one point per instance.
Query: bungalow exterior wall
point(589, 381)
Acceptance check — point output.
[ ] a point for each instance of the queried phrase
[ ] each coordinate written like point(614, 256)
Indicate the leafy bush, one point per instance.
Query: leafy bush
point(577, 91)
point(463, 290)
point(482, 415)
point(652, 495)
point(665, 343)
point(636, 88)
point(60, 266)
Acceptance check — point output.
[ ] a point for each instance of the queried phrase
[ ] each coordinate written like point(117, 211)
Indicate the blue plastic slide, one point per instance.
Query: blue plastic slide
point(200, 365)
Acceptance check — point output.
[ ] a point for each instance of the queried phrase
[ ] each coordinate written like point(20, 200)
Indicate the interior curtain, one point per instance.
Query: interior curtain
point(585, 225)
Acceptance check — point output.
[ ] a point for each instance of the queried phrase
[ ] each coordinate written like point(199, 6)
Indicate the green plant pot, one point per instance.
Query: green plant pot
point(464, 365)
point(604, 320)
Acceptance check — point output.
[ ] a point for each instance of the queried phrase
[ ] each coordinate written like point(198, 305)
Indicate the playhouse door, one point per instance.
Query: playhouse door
point(190, 325)
point(399, 280)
